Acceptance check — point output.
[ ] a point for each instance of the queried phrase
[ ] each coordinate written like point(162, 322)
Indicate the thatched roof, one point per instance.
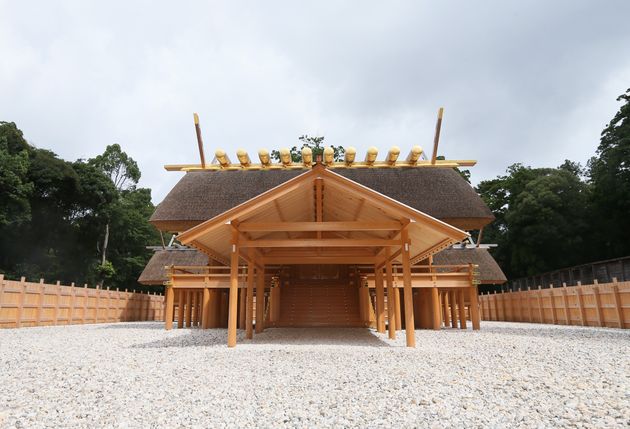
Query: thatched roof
point(438, 192)
point(489, 270)
point(154, 274)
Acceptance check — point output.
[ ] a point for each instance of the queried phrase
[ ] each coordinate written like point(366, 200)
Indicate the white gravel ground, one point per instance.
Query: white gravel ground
point(139, 375)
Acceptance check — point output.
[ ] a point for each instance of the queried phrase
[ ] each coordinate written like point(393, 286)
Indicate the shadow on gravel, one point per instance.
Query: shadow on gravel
point(351, 337)
point(135, 325)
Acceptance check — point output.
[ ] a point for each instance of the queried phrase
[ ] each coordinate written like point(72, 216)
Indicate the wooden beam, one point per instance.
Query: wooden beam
point(233, 300)
point(391, 301)
point(409, 320)
point(199, 141)
point(314, 260)
point(318, 226)
point(325, 242)
point(436, 138)
point(380, 300)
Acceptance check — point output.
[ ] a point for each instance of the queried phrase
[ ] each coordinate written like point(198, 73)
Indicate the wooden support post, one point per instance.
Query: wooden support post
point(398, 309)
point(233, 299)
point(195, 307)
point(242, 304)
point(447, 311)
point(380, 299)
point(565, 303)
point(598, 307)
point(40, 303)
point(181, 299)
point(57, 302)
point(189, 311)
point(260, 301)
point(436, 316)
point(530, 307)
point(461, 304)
point(214, 309)
point(453, 302)
point(275, 291)
point(249, 302)
point(273, 304)
point(168, 313)
point(474, 307)
point(409, 321)
point(391, 301)
point(205, 310)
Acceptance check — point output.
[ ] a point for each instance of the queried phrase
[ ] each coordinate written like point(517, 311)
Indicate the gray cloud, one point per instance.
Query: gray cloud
point(531, 82)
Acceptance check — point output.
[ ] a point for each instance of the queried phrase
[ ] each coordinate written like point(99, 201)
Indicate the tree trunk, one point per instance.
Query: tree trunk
point(104, 253)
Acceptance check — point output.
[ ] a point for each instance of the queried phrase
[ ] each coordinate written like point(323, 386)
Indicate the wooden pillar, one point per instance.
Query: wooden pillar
point(409, 322)
point(447, 311)
point(598, 306)
point(453, 301)
point(214, 308)
point(436, 315)
point(168, 311)
point(398, 309)
point(242, 303)
point(474, 307)
point(233, 299)
point(181, 297)
point(189, 312)
point(249, 302)
point(618, 308)
point(274, 304)
point(205, 311)
point(423, 310)
point(462, 308)
point(391, 301)
point(380, 299)
point(260, 301)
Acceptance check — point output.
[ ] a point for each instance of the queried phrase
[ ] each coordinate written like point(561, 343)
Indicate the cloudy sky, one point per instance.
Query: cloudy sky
point(531, 81)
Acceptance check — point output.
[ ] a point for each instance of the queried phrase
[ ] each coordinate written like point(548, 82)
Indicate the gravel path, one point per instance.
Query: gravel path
point(138, 375)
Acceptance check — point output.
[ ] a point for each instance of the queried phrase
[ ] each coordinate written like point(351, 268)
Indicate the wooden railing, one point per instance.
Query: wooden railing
point(25, 303)
point(606, 304)
point(424, 276)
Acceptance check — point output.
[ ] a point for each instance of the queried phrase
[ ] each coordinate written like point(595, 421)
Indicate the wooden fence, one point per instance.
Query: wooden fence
point(25, 303)
point(606, 304)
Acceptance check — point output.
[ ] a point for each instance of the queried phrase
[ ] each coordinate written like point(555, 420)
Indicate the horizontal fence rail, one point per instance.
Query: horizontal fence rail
point(25, 304)
point(606, 304)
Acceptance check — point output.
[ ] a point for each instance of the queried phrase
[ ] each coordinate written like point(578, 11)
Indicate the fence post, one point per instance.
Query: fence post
point(565, 301)
point(552, 299)
point(85, 303)
point(617, 299)
point(598, 306)
point(20, 305)
point(580, 300)
point(541, 310)
point(97, 305)
point(57, 299)
point(40, 303)
point(530, 309)
point(1, 288)
point(73, 303)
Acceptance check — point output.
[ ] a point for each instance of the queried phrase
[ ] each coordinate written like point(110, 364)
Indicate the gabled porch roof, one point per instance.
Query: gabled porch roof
point(321, 217)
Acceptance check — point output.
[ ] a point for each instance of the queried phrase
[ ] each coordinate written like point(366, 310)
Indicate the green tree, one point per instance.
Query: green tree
point(124, 173)
point(15, 189)
point(541, 218)
point(609, 173)
point(316, 144)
